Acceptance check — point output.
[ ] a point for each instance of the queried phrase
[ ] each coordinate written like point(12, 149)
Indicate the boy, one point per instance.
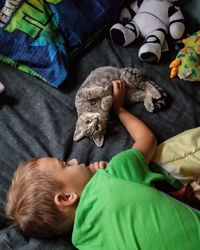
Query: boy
point(112, 208)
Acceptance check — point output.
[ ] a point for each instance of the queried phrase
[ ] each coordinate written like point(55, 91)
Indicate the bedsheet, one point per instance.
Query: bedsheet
point(39, 120)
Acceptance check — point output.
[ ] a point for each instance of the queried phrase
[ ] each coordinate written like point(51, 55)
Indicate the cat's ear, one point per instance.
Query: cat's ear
point(78, 134)
point(98, 140)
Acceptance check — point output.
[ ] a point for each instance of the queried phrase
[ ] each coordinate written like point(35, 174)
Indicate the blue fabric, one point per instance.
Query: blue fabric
point(84, 18)
point(37, 36)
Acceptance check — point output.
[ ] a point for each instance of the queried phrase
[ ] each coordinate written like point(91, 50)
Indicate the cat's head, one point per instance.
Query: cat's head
point(91, 125)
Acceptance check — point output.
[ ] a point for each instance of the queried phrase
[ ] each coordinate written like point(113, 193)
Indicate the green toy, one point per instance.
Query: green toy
point(187, 62)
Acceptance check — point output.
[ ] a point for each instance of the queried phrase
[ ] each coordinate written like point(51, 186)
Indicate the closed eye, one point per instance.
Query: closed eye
point(62, 163)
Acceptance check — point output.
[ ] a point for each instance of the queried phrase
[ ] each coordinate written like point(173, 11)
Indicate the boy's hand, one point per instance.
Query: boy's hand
point(94, 167)
point(119, 94)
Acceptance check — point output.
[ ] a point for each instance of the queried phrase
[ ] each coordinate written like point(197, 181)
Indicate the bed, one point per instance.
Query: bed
point(37, 119)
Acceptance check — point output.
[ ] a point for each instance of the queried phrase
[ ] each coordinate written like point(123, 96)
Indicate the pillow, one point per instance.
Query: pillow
point(180, 155)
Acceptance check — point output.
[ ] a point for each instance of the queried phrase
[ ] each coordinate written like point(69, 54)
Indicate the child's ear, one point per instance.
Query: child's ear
point(63, 200)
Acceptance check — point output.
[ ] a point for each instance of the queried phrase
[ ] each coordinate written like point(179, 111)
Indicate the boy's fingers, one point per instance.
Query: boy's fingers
point(96, 166)
point(103, 164)
point(72, 162)
point(115, 87)
point(116, 81)
point(118, 84)
point(91, 167)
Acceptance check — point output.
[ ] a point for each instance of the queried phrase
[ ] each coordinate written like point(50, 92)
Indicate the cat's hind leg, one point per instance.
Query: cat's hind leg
point(106, 103)
point(141, 89)
point(154, 97)
point(134, 95)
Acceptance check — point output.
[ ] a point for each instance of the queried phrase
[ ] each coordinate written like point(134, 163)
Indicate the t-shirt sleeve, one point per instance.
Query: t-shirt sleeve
point(130, 165)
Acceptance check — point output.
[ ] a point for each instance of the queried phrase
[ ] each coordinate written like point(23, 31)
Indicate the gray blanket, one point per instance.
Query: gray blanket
point(39, 120)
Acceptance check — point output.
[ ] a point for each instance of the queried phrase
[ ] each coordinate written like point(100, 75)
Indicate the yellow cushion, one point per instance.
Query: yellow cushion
point(180, 155)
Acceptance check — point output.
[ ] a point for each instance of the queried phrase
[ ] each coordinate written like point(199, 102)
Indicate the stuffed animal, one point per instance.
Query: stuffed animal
point(187, 62)
point(151, 19)
point(1, 87)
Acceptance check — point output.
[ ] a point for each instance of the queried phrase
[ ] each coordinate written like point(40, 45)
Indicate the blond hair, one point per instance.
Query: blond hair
point(30, 204)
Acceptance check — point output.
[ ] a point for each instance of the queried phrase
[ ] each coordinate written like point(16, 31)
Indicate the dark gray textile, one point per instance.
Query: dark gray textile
point(39, 120)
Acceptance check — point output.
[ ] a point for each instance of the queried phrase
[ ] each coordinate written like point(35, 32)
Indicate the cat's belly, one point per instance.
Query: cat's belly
point(102, 77)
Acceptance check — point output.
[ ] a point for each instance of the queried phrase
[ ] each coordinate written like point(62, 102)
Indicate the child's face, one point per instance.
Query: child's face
point(74, 176)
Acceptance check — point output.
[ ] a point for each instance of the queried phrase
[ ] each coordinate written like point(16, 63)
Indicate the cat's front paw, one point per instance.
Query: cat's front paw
point(106, 103)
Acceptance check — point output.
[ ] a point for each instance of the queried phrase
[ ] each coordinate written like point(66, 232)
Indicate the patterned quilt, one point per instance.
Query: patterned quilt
point(37, 36)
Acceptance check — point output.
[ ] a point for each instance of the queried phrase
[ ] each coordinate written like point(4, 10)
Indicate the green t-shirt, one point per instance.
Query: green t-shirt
point(121, 209)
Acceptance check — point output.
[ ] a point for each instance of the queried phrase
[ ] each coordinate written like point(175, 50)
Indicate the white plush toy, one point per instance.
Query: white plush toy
point(1, 87)
point(151, 19)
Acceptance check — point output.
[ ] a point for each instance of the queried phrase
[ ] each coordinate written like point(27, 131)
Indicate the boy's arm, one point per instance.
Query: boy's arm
point(145, 140)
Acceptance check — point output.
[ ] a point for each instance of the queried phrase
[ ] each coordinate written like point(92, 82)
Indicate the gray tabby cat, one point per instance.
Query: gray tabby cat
point(94, 99)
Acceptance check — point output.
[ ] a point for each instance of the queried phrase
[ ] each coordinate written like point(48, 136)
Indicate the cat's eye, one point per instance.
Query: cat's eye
point(87, 122)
